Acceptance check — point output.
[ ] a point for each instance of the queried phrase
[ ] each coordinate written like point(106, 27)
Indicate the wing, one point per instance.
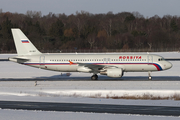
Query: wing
point(94, 68)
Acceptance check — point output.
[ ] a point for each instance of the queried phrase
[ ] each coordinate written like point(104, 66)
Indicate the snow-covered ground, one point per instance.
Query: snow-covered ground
point(77, 88)
point(92, 91)
point(44, 115)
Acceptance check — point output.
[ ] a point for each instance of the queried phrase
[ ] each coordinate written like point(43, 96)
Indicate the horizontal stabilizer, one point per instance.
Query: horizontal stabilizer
point(18, 59)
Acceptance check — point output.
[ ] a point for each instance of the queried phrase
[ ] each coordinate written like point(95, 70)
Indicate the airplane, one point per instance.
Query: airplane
point(112, 65)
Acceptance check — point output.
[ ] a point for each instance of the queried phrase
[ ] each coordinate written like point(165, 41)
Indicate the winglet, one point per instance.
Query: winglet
point(71, 62)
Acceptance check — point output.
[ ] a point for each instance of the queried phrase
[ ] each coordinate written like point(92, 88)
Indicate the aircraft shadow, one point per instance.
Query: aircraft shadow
point(64, 77)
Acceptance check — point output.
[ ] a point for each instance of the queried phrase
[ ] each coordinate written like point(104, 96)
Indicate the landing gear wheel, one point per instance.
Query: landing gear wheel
point(149, 73)
point(94, 77)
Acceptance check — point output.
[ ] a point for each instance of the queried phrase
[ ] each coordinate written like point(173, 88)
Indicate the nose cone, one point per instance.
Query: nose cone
point(168, 65)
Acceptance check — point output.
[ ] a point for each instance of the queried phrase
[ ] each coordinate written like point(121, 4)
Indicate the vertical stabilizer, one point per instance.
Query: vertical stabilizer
point(23, 44)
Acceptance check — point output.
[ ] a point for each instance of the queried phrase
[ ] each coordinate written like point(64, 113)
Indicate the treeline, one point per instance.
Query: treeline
point(85, 31)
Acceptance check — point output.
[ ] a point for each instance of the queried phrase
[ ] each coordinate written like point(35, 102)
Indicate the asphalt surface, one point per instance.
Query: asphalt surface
point(95, 108)
point(101, 78)
point(4, 59)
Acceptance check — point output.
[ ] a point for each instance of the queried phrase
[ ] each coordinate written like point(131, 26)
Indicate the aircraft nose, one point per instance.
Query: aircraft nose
point(168, 65)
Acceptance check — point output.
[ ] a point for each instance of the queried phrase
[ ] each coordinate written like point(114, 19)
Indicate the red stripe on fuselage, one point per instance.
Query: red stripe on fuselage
point(157, 67)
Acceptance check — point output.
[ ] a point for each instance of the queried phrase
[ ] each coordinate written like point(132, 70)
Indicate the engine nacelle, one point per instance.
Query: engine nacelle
point(115, 72)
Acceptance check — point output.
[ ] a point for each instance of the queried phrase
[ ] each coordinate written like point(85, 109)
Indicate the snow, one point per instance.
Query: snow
point(94, 92)
point(45, 115)
point(77, 88)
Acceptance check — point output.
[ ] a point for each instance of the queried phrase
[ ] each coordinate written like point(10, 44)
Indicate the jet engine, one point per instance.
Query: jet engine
point(115, 72)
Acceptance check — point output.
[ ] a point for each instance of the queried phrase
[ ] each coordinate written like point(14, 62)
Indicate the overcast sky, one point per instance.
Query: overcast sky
point(147, 8)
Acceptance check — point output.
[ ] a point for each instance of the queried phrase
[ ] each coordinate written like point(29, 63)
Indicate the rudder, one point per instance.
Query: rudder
point(23, 44)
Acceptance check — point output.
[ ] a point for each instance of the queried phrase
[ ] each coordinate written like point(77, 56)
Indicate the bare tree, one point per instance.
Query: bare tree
point(107, 26)
point(150, 46)
point(91, 39)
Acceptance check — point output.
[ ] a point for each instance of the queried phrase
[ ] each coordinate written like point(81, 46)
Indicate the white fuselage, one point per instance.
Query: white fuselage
point(112, 65)
point(127, 62)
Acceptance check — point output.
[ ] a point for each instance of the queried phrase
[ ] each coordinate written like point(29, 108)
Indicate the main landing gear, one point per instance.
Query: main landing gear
point(94, 77)
point(149, 73)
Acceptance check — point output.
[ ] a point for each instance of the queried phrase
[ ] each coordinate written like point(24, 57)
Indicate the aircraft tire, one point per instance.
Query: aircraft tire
point(94, 77)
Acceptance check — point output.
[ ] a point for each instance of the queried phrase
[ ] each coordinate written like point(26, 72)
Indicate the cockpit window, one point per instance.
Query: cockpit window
point(161, 59)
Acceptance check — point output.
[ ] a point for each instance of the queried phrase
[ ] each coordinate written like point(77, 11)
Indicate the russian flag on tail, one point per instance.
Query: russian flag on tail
point(24, 41)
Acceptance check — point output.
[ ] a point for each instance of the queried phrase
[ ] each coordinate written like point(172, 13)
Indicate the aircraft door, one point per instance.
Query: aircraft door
point(42, 60)
point(104, 60)
point(150, 59)
point(107, 60)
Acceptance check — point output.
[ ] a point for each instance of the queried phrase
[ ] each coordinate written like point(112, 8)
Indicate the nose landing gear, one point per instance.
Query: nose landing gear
point(94, 77)
point(149, 73)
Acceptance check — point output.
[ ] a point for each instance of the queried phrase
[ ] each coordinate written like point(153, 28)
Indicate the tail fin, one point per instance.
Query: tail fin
point(23, 44)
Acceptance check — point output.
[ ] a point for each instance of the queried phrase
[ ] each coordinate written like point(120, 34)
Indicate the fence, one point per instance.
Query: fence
point(110, 50)
point(102, 50)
